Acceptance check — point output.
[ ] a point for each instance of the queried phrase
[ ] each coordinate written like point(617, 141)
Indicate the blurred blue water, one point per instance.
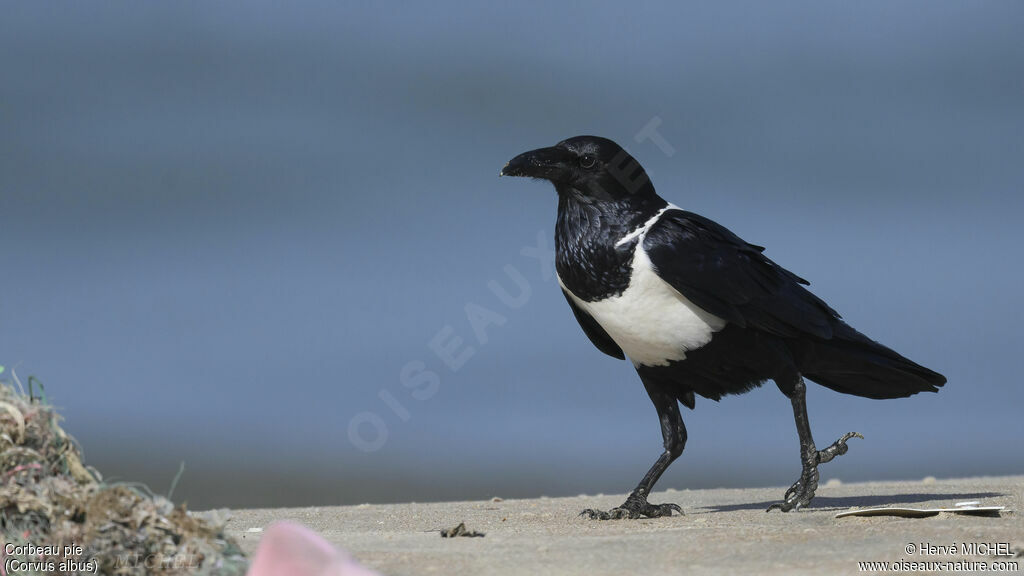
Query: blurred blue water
point(225, 231)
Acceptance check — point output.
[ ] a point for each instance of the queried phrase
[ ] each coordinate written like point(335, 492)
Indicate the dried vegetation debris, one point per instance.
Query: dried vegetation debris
point(461, 531)
point(54, 509)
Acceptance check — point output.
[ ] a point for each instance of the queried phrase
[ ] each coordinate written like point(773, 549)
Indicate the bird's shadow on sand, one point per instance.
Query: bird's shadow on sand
point(825, 502)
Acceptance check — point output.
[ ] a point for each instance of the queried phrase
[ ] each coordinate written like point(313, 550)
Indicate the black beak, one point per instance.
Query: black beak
point(548, 163)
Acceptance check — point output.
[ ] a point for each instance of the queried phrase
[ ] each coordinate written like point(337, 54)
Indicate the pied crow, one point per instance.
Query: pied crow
point(696, 309)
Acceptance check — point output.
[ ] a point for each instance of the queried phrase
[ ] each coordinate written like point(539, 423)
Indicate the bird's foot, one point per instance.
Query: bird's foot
point(838, 448)
point(634, 507)
point(802, 491)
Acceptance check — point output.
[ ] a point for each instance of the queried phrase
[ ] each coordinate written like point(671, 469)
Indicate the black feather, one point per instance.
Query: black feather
point(732, 279)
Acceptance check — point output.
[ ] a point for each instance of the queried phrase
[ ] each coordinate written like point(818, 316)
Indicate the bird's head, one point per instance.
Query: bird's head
point(588, 168)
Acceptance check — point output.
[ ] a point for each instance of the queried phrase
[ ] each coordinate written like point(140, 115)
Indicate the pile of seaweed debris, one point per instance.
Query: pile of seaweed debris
point(59, 516)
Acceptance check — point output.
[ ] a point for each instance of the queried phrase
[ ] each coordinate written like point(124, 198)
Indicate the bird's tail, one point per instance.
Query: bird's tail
point(852, 363)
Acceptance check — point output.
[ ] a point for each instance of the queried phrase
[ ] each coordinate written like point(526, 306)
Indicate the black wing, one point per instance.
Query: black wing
point(716, 270)
point(593, 330)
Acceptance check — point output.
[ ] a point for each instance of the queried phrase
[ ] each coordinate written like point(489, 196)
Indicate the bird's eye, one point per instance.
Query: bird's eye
point(588, 160)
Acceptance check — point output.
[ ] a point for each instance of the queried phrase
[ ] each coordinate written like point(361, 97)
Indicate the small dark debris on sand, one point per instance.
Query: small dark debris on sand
point(49, 497)
point(461, 530)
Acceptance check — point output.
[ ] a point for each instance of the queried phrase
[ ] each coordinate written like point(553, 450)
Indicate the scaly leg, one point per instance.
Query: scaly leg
point(674, 434)
point(802, 491)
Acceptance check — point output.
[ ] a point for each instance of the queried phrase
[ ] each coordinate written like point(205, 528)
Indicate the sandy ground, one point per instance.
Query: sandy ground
point(723, 531)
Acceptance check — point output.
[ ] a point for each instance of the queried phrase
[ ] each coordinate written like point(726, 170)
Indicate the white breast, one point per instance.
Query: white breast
point(651, 321)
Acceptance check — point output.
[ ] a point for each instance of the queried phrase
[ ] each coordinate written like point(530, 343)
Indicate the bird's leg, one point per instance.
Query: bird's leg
point(802, 491)
point(674, 434)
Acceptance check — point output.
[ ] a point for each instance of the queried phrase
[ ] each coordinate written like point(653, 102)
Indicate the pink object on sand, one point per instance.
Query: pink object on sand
point(291, 549)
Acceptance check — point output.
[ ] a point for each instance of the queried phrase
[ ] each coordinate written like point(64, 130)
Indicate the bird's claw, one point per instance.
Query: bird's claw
point(802, 491)
point(632, 510)
point(838, 448)
point(786, 506)
point(796, 487)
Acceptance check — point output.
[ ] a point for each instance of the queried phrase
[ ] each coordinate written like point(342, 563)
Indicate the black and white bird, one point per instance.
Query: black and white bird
point(696, 309)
